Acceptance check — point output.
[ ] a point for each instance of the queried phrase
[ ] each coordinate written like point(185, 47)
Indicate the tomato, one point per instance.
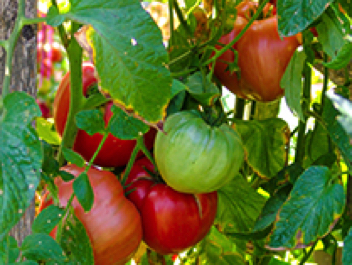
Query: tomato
point(262, 59)
point(46, 112)
point(56, 53)
point(195, 157)
point(172, 221)
point(113, 224)
point(115, 152)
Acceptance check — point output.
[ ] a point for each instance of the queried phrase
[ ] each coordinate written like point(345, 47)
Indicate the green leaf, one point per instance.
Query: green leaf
point(76, 242)
point(46, 131)
point(21, 158)
point(344, 106)
point(66, 176)
point(292, 83)
point(42, 247)
point(132, 57)
point(124, 126)
point(295, 16)
point(347, 249)
point(52, 17)
point(50, 164)
point(330, 33)
point(220, 250)
point(202, 89)
point(47, 219)
point(337, 132)
point(9, 251)
point(91, 121)
point(178, 94)
point(311, 211)
point(27, 262)
point(238, 206)
point(83, 191)
point(271, 208)
point(265, 142)
point(343, 57)
point(73, 157)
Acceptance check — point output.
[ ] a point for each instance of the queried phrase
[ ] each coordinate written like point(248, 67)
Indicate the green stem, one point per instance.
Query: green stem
point(59, 226)
point(239, 108)
point(77, 98)
point(30, 21)
point(193, 7)
point(230, 44)
point(61, 29)
point(171, 14)
point(308, 254)
point(300, 148)
point(182, 19)
point(325, 85)
point(131, 162)
point(106, 134)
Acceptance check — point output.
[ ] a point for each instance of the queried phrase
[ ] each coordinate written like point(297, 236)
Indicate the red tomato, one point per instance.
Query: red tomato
point(262, 58)
point(46, 112)
point(172, 221)
point(56, 53)
point(115, 152)
point(113, 224)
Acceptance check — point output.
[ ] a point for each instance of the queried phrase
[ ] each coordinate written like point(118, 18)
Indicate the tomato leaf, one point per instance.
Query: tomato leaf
point(265, 142)
point(343, 57)
point(53, 17)
point(347, 249)
point(91, 121)
point(76, 242)
point(344, 106)
point(337, 132)
point(66, 176)
point(292, 83)
point(238, 206)
point(83, 191)
point(9, 250)
point(311, 211)
point(21, 158)
point(46, 131)
point(202, 89)
point(178, 94)
point(73, 157)
point(124, 126)
point(295, 16)
point(132, 57)
point(330, 33)
point(42, 247)
point(271, 208)
point(47, 219)
point(219, 249)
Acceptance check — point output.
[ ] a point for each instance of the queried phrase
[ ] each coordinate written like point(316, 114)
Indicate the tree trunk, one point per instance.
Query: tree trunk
point(23, 76)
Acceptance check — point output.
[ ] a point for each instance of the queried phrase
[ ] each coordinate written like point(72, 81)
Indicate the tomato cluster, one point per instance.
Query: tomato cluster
point(262, 56)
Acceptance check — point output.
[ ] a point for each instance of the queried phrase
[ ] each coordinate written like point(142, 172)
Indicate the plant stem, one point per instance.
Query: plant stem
point(239, 108)
point(307, 255)
point(59, 226)
point(76, 94)
point(325, 85)
point(61, 29)
point(131, 162)
point(230, 44)
point(182, 19)
point(300, 148)
point(96, 152)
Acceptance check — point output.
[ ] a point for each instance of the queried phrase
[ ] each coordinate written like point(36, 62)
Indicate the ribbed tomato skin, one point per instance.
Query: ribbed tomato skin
point(113, 224)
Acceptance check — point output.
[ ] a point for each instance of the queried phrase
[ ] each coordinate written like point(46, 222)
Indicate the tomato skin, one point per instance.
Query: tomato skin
point(262, 59)
point(113, 224)
point(194, 157)
point(115, 152)
point(172, 221)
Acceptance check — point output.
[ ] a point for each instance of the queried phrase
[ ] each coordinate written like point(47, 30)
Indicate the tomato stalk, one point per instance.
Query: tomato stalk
point(77, 98)
point(182, 19)
point(59, 227)
point(63, 36)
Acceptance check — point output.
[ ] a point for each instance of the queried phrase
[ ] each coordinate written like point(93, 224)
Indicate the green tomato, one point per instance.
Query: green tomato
point(195, 157)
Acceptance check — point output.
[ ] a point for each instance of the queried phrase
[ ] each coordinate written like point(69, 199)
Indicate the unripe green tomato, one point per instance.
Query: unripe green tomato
point(195, 157)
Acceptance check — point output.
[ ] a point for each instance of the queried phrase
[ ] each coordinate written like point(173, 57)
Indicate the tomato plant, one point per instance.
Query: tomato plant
point(115, 152)
point(262, 58)
point(113, 224)
point(210, 156)
point(259, 176)
point(172, 221)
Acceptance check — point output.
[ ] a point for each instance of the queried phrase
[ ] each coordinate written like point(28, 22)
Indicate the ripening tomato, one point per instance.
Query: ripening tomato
point(115, 152)
point(195, 157)
point(172, 221)
point(262, 59)
point(113, 224)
